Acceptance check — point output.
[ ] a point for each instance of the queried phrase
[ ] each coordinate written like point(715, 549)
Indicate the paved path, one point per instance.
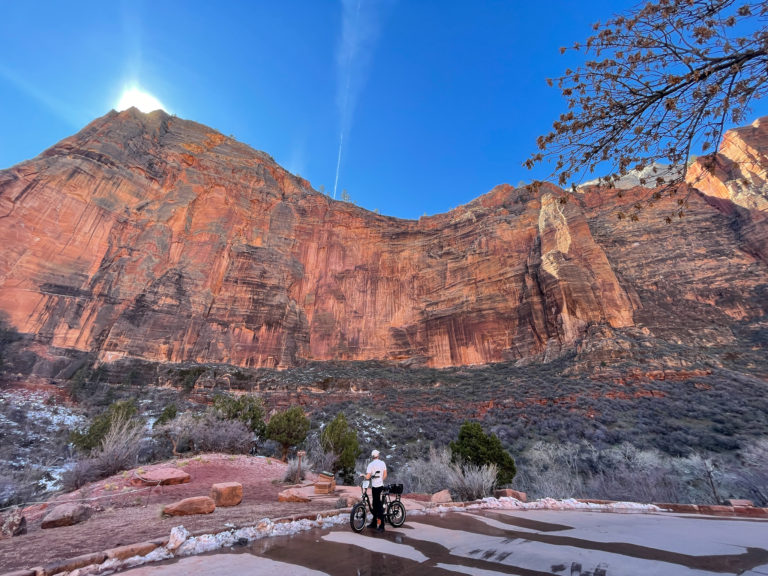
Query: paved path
point(488, 543)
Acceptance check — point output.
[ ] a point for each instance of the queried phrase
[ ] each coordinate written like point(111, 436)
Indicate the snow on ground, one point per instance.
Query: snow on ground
point(37, 413)
point(32, 424)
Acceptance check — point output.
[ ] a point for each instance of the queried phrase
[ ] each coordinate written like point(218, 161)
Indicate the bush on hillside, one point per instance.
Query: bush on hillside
point(214, 435)
point(426, 475)
point(436, 472)
point(91, 439)
point(292, 473)
point(752, 479)
point(86, 385)
point(179, 431)
point(79, 474)
point(626, 472)
point(550, 470)
point(247, 409)
point(480, 449)
point(318, 458)
point(187, 377)
point(17, 487)
point(340, 439)
point(205, 432)
point(119, 449)
point(472, 482)
point(288, 428)
point(169, 413)
point(8, 335)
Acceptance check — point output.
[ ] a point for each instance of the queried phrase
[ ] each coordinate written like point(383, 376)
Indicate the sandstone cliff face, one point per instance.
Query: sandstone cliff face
point(739, 171)
point(153, 237)
point(738, 174)
point(695, 281)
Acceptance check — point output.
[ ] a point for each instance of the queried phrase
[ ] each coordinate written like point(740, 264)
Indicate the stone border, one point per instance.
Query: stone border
point(119, 555)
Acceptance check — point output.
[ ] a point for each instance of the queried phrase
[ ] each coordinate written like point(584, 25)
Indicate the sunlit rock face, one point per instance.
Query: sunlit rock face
point(695, 280)
point(152, 237)
point(738, 174)
point(739, 171)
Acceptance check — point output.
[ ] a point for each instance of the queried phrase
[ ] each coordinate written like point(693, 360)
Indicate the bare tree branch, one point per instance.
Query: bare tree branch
point(662, 81)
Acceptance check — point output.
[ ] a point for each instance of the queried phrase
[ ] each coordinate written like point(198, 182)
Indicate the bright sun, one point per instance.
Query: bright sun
point(144, 101)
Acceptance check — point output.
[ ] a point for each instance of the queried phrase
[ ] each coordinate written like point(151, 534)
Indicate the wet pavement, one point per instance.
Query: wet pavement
point(485, 543)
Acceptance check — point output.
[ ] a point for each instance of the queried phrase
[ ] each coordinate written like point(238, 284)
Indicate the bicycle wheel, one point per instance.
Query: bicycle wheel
point(396, 513)
point(357, 517)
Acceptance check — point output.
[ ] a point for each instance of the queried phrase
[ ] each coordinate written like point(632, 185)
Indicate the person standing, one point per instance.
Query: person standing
point(376, 473)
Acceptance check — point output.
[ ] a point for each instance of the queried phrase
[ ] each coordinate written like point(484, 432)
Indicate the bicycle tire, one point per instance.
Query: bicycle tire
point(396, 513)
point(357, 517)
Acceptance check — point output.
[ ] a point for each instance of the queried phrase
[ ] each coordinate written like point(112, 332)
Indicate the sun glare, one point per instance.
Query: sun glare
point(144, 101)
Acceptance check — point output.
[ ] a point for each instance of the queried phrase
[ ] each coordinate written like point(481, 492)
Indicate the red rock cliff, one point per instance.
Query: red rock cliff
point(153, 237)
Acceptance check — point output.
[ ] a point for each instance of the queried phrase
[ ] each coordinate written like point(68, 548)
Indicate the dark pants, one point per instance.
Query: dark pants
point(378, 509)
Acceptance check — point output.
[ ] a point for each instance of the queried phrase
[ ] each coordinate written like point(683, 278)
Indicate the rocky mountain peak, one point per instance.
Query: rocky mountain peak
point(152, 237)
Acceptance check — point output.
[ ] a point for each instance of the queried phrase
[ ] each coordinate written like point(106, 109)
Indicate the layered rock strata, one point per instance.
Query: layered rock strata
point(152, 237)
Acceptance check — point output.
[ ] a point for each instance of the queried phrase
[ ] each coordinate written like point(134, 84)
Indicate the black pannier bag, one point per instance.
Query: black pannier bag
point(395, 488)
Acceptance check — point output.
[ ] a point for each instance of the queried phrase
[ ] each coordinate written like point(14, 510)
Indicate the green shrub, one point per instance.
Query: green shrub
point(341, 440)
point(476, 447)
point(84, 384)
point(91, 439)
point(188, 376)
point(168, 414)
point(288, 428)
point(247, 409)
point(8, 335)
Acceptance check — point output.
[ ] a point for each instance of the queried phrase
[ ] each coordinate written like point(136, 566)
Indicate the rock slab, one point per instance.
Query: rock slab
point(292, 495)
point(507, 493)
point(66, 515)
point(161, 477)
point(227, 494)
point(442, 497)
point(13, 524)
point(190, 506)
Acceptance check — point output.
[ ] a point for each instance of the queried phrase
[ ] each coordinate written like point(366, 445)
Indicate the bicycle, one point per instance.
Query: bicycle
point(394, 510)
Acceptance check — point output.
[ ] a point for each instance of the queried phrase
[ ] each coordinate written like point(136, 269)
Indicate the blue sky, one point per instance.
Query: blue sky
point(438, 101)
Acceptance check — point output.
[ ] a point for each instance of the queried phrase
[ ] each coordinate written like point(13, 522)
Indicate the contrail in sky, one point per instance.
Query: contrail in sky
point(338, 164)
point(359, 31)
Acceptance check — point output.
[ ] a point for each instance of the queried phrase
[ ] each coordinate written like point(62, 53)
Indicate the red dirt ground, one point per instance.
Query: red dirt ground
point(122, 514)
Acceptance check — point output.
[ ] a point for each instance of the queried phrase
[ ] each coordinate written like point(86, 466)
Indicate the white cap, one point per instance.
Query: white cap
point(375, 453)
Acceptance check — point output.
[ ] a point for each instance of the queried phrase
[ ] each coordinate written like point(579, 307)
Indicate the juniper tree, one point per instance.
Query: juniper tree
point(476, 447)
point(288, 428)
point(340, 439)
